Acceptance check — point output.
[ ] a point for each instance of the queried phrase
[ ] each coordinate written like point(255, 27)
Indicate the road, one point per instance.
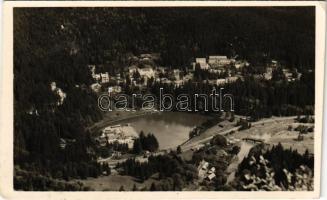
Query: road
point(193, 144)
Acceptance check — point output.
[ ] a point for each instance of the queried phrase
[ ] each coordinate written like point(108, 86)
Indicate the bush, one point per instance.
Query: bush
point(219, 140)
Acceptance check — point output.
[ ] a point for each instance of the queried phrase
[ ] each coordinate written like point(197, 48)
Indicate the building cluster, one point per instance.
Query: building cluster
point(121, 134)
point(206, 172)
point(65, 141)
point(228, 68)
point(218, 63)
point(58, 91)
point(290, 75)
point(99, 77)
point(178, 76)
point(144, 70)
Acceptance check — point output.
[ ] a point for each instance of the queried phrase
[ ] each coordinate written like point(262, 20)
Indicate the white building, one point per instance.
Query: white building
point(188, 77)
point(94, 75)
point(241, 64)
point(212, 170)
point(220, 81)
point(165, 81)
point(104, 77)
point(216, 70)
point(193, 66)
point(231, 79)
point(121, 134)
point(211, 176)
point(92, 69)
point(203, 165)
point(96, 87)
point(150, 56)
point(114, 89)
point(161, 69)
point(176, 74)
point(62, 95)
point(178, 83)
point(268, 73)
point(146, 72)
point(274, 63)
point(53, 86)
point(132, 69)
point(97, 77)
point(219, 61)
point(202, 62)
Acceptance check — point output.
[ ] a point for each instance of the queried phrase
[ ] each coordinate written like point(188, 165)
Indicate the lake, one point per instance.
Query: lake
point(170, 128)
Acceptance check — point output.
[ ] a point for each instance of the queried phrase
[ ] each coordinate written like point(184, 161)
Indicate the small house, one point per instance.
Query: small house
point(212, 170)
point(104, 77)
point(211, 176)
point(95, 87)
point(202, 62)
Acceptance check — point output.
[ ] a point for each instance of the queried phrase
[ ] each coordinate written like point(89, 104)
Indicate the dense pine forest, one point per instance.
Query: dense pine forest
point(284, 169)
point(57, 44)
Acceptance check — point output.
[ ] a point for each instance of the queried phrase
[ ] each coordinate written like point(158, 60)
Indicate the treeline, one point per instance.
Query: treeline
point(169, 167)
point(24, 180)
point(280, 159)
point(116, 146)
point(280, 98)
point(255, 34)
point(46, 53)
point(198, 130)
point(305, 119)
point(40, 183)
point(110, 148)
point(145, 143)
point(252, 96)
point(206, 74)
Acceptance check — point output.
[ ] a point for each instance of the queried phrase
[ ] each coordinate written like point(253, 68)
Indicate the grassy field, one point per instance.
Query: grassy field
point(113, 182)
point(275, 132)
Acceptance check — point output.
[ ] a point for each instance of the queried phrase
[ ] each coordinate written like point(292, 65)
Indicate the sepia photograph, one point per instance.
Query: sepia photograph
point(185, 98)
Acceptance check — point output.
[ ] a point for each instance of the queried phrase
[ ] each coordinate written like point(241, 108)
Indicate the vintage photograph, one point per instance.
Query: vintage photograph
point(164, 98)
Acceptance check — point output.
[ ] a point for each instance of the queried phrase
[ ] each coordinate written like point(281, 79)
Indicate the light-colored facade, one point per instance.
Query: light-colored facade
point(104, 77)
point(114, 89)
point(202, 62)
point(146, 72)
point(119, 134)
point(219, 61)
point(62, 95)
point(96, 87)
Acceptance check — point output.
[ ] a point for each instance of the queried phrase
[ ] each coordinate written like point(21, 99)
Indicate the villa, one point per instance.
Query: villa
point(96, 87)
point(104, 77)
point(146, 72)
point(219, 61)
point(202, 62)
point(122, 134)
